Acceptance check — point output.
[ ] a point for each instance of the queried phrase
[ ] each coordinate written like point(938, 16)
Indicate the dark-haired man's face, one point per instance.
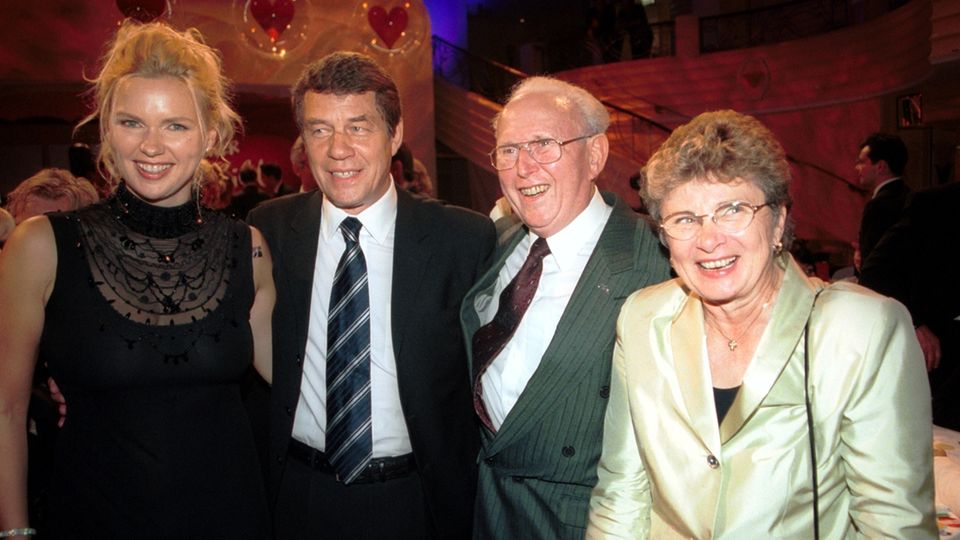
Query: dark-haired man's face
point(870, 174)
point(349, 148)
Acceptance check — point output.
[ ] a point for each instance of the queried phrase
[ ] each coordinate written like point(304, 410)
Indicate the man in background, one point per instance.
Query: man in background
point(880, 166)
point(906, 265)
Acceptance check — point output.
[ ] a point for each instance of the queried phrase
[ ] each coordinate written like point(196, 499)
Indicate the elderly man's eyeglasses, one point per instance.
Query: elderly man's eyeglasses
point(542, 151)
point(730, 218)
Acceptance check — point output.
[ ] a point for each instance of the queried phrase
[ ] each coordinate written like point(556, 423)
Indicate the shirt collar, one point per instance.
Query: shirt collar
point(885, 182)
point(378, 219)
point(566, 243)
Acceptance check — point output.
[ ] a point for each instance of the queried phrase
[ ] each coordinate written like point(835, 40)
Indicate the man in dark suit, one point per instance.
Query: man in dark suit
point(904, 266)
point(542, 394)
point(880, 165)
point(420, 257)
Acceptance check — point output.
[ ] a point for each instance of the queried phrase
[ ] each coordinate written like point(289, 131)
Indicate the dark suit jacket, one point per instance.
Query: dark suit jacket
point(880, 214)
point(537, 471)
point(909, 264)
point(439, 252)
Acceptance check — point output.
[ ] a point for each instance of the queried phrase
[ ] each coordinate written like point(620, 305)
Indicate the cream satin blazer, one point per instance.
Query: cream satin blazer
point(669, 471)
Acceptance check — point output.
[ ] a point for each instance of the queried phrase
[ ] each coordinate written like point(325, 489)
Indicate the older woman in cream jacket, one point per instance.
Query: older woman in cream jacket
point(732, 381)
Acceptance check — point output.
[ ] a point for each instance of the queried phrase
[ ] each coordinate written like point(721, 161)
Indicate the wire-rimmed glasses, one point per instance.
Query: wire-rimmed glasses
point(730, 218)
point(542, 151)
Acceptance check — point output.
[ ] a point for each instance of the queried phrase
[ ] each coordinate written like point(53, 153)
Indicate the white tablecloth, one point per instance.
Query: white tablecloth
point(946, 474)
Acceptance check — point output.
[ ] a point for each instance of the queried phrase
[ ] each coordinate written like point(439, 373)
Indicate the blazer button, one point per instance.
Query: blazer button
point(289, 411)
point(299, 360)
point(488, 460)
point(712, 461)
point(568, 451)
point(605, 392)
point(279, 458)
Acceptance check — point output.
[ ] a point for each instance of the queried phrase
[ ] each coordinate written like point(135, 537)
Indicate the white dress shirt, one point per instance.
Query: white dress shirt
point(390, 436)
point(570, 249)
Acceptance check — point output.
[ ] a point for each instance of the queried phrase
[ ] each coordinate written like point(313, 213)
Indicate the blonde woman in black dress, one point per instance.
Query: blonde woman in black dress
point(148, 308)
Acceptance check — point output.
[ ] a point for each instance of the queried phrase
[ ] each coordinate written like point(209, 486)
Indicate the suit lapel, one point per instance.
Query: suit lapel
point(412, 256)
point(607, 278)
point(302, 256)
point(776, 346)
point(696, 387)
point(469, 318)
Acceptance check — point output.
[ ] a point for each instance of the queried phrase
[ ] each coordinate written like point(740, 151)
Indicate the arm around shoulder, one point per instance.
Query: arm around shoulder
point(28, 265)
point(620, 502)
point(261, 313)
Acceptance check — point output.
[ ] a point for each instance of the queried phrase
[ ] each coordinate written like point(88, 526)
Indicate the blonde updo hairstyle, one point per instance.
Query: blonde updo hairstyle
point(156, 50)
point(720, 146)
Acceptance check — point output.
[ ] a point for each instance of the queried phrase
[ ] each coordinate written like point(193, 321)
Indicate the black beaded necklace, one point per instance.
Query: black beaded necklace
point(155, 221)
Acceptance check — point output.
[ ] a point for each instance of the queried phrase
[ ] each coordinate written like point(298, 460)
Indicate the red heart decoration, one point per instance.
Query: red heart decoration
point(388, 27)
point(273, 17)
point(142, 10)
point(754, 78)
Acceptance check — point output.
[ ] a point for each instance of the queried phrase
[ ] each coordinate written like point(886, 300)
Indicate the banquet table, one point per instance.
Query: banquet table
point(946, 474)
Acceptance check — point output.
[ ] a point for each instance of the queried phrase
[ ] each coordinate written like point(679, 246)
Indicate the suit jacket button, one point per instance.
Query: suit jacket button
point(299, 360)
point(568, 451)
point(279, 458)
point(712, 461)
point(289, 411)
point(488, 460)
point(605, 392)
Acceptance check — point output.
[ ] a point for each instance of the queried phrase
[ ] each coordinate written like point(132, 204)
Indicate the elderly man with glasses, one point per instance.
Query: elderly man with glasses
point(540, 325)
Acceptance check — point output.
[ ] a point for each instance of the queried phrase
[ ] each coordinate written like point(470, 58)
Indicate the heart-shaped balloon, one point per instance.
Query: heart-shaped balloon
point(142, 10)
point(388, 26)
point(273, 17)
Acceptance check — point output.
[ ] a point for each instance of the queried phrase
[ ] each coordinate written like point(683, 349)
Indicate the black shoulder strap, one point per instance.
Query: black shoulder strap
point(806, 396)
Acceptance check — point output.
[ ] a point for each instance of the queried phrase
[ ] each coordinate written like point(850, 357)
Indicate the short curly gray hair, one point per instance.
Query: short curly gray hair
point(720, 146)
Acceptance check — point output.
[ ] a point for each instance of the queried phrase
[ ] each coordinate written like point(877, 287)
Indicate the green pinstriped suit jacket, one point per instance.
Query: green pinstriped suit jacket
point(537, 471)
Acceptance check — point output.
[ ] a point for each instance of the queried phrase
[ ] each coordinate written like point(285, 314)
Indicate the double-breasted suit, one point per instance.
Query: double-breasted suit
point(537, 470)
point(439, 252)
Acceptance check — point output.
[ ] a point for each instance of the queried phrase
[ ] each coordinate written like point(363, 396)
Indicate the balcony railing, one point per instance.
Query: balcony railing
point(632, 135)
point(785, 22)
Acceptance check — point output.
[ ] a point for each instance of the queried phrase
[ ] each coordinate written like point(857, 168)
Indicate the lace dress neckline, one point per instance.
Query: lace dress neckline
point(155, 265)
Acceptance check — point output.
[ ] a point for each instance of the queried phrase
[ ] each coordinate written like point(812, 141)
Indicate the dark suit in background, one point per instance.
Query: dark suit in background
point(908, 264)
point(881, 213)
point(247, 200)
point(537, 471)
point(439, 252)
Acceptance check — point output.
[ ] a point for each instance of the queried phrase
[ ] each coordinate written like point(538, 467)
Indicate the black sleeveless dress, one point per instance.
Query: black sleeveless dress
point(147, 333)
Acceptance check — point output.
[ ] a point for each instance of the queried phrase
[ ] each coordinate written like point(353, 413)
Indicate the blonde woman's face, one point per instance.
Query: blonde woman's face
point(156, 138)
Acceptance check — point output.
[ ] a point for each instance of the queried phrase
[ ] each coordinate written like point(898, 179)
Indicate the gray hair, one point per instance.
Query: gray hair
point(593, 114)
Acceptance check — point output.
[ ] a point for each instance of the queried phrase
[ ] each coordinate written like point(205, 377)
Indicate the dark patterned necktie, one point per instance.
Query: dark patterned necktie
point(493, 336)
point(349, 443)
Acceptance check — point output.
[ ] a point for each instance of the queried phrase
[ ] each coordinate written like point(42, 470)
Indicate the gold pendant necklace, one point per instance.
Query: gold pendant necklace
point(733, 343)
